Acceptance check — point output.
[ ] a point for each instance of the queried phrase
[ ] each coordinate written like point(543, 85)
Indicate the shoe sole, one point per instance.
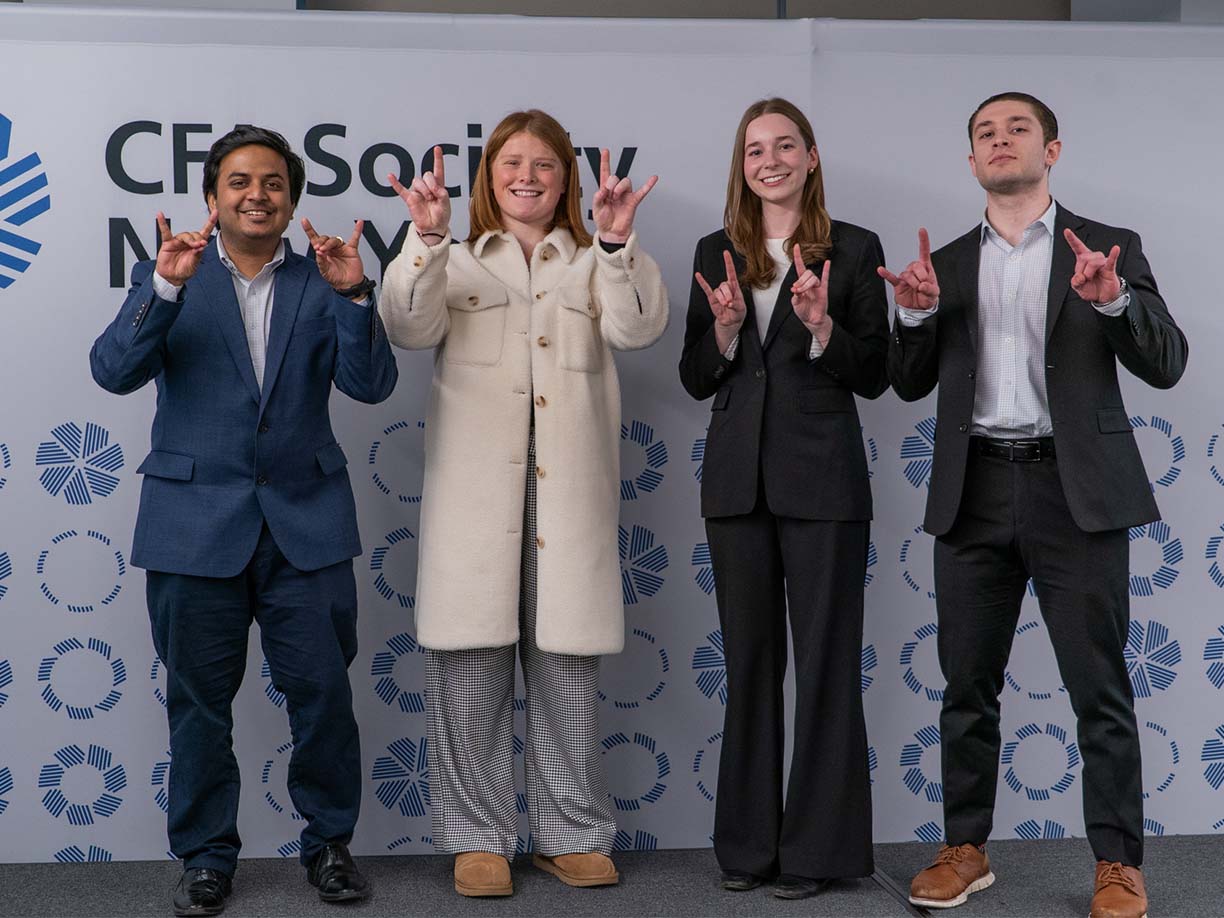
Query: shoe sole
point(739, 887)
point(348, 895)
point(571, 880)
point(976, 886)
point(475, 892)
point(198, 912)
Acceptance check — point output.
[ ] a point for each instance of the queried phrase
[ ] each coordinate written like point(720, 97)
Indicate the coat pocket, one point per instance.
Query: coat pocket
point(331, 458)
point(161, 464)
point(580, 345)
point(305, 328)
point(477, 324)
point(1113, 420)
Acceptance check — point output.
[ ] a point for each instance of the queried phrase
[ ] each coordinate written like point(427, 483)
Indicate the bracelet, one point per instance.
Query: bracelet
point(362, 288)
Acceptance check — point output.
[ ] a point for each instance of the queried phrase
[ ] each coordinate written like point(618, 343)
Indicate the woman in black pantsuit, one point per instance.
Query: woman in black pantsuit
point(787, 322)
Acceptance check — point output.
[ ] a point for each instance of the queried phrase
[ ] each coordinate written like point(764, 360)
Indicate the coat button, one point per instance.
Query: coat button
point(963, 428)
point(631, 262)
point(261, 480)
point(264, 427)
point(760, 374)
point(541, 401)
point(545, 256)
point(540, 295)
point(473, 300)
point(539, 541)
point(973, 374)
point(418, 261)
point(539, 472)
point(542, 341)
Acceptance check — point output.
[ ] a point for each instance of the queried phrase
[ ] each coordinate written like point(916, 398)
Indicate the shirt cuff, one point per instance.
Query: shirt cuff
point(912, 318)
point(1116, 307)
point(164, 289)
point(732, 349)
point(815, 349)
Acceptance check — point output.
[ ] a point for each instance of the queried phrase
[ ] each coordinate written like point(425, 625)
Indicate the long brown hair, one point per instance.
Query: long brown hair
point(485, 215)
point(742, 217)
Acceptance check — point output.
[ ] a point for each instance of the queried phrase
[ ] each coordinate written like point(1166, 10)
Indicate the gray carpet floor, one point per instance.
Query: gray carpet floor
point(1035, 878)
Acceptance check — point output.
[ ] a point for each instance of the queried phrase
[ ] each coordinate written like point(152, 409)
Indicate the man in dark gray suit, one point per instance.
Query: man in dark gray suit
point(1022, 323)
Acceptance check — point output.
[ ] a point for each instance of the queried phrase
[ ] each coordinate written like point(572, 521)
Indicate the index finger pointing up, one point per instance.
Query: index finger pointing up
point(730, 263)
point(605, 167)
point(800, 267)
point(355, 239)
point(163, 227)
point(1077, 245)
point(310, 230)
point(439, 166)
point(924, 245)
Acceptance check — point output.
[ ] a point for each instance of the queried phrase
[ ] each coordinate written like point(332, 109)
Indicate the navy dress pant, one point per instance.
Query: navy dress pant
point(308, 628)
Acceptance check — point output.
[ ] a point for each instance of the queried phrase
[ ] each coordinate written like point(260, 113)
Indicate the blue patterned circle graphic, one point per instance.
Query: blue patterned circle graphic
point(6, 463)
point(159, 780)
point(79, 465)
point(1212, 554)
point(6, 787)
point(703, 567)
point(6, 569)
point(23, 199)
point(1032, 628)
point(1032, 830)
point(1170, 554)
point(270, 766)
point(1152, 827)
point(1177, 448)
point(638, 841)
point(382, 670)
point(6, 679)
point(1173, 760)
point(74, 855)
point(1213, 757)
point(915, 575)
point(710, 666)
point(660, 683)
point(59, 542)
point(697, 455)
point(867, 662)
point(401, 446)
point(913, 776)
point(705, 760)
point(1213, 656)
point(402, 777)
point(1214, 451)
point(72, 650)
point(1151, 657)
point(157, 675)
point(380, 568)
point(908, 676)
point(1012, 778)
point(271, 692)
point(51, 777)
point(918, 453)
point(407, 840)
point(930, 832)
point(654, 457)
point(662, 769)
point(872, 558)
point(871, 450)
point(642, 563)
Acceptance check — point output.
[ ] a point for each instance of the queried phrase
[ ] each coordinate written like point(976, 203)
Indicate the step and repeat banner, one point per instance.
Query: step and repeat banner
point(105, 119)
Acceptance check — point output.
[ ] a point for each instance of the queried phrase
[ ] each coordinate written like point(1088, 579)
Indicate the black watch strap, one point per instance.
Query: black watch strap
point(362, 288)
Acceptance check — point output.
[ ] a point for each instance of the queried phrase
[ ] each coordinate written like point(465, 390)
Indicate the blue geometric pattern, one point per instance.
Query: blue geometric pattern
point(710, 665)
point(1030, 829)
point(1008, 758)
point(662, 768)
point(62, 650)
point(708, 753)
point(1152, 827)
point(697, 454)
point(22, 198)
point(1177, 448)
point(913, 777)
point(911, 577)
point(1174, 759)
point(1213, 449)
point(382, 670)
point(271, 692)
point(6, 569)
point(1171, 555)
point(378, 559)
point(74, 855)
point(1213, 757)
point(53, 597)
point(1150, 657)
point(402, 777)
point(703, 567)
point(6, 679)
point(408, 445)
point(1213, 554)
point(908, 676)
point(159, 780)
point(638, 841)
point(79, 465)
point(6, 463)
point(1213, 656)
point(918, 453)
point(157, 675)
point(929, 832)
point(642, 563)
point(51, 777)
point(282, 754)
point(872, 451)
point(872, 558)
point(407, 840)
point(867, 663)
point(655, 457)
point(6, 786)
point(629, 704)
point(1032, 694)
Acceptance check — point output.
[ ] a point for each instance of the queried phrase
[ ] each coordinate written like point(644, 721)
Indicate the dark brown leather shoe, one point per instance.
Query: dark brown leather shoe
point(482, 873)
point(580, 869)
point(956, 874)
point(1119, 892)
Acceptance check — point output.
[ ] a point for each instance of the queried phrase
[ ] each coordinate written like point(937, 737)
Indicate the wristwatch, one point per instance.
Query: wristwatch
point(359, 290)
point(1123, 289)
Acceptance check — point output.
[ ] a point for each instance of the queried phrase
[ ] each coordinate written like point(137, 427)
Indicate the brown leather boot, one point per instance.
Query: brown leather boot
point(955, 874)
point(581, 869)
point(480, 873)
point(1119, 892)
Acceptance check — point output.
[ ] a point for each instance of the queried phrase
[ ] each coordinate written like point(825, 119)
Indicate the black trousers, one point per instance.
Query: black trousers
point(763, 566)
point(1014, 524)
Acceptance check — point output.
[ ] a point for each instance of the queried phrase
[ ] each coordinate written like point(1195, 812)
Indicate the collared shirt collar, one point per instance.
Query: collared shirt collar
point(278, 258)
point(1046, 218)
point(558, 238)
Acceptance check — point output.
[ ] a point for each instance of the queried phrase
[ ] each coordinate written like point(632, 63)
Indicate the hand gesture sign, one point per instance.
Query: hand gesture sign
point(1096, 278)
point(727, 299)
point(179, 256)
point(616, 202)
point(339, 261)
point(917, 287)
point(427, 198)
point(810, 295)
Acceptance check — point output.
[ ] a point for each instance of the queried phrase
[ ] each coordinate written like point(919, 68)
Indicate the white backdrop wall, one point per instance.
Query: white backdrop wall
point(83, 747)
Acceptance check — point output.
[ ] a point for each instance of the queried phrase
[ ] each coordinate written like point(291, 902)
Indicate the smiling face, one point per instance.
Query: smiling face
point(252, 196)
point(1009, 154)
point(528, 179)
point(776, 162)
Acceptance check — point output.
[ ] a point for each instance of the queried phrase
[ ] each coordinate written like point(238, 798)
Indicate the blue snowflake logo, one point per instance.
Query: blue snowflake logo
point(402, 777)
point(1151, 657)
point(642, 563)
point(918, 453)
point(710, 665)
point(79, 465)
point(654, 458)
point(703, 567)
point(867, 663)
point(23, 201)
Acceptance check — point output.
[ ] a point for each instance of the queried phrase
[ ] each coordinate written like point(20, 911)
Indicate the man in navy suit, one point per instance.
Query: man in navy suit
point(246, 510)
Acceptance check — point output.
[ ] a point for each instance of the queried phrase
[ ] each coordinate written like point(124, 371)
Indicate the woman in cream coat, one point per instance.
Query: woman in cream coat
point(521, 497)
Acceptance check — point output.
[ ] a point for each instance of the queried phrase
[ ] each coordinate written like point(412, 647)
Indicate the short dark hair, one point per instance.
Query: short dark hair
point(243, 136)
point(1045, 117)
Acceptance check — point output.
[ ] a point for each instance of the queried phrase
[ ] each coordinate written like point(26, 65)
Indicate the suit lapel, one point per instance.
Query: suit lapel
point(968, 259)
point(782, 308)
point(218, 287)
point(290, 284)
point(1062, 266)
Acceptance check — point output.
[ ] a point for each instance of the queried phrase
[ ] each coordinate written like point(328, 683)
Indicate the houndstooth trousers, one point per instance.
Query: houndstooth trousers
point(470, 695)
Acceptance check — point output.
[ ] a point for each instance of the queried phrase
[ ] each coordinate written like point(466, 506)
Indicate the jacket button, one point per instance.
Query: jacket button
point(760, 374)
point(631, 262)
point(473, 300)
point(545, 256)
point(540, 295)
point(261, 480)
point(539, 541)
point(264, 428)
point(963, 428)
point(539, 472)
point(542, 341)
point(973, 374)
point(541, 401)
point(418, 261)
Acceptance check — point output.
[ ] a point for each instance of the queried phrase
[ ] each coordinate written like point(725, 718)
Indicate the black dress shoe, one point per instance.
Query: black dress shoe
point(739, 881)
point(793, 886)
point(336, 876)
point(201, 891)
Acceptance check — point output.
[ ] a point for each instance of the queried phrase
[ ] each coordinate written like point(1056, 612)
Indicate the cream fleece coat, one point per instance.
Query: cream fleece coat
point(510, 337)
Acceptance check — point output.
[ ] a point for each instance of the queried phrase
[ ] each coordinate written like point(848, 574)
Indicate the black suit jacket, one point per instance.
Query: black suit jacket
point(777, 416)
point(1098, 461)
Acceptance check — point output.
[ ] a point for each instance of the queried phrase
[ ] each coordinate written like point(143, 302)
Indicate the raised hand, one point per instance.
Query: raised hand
point(917, 287)
point(1096, 277)
point(616, 202)
point(179, 256)
point(810, 296)
point(427, 198)
point(339, 261)
point(726, 302)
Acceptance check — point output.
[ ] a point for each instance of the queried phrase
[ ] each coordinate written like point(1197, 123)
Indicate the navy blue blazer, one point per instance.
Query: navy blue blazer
point(226, 458)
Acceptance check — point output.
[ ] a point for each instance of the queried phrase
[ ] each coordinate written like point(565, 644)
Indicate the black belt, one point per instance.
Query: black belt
point(1031, 450)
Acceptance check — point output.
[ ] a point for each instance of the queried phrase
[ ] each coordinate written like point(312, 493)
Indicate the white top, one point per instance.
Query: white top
point(764, 300)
